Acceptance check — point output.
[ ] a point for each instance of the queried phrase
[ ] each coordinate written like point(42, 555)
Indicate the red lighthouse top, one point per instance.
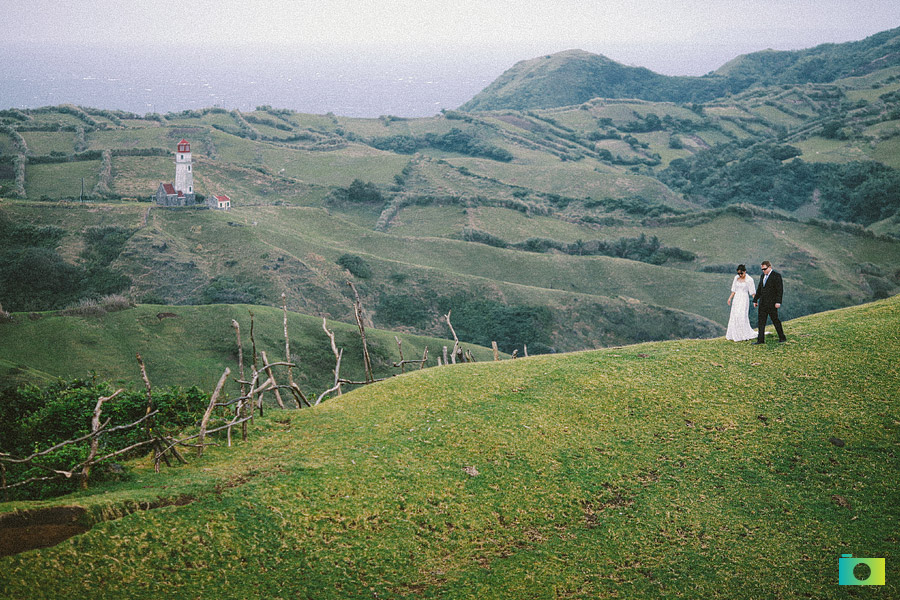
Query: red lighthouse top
point(184, 146)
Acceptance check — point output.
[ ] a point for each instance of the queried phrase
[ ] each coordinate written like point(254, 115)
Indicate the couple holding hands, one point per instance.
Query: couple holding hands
point(766, 297)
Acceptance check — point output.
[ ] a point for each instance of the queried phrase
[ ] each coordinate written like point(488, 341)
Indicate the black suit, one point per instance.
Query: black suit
point(767, 295)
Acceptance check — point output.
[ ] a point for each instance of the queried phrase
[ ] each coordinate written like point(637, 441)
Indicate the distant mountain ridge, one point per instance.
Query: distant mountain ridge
point(575, 76)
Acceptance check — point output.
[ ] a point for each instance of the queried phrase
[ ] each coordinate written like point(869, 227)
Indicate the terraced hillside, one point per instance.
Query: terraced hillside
point(609, 222)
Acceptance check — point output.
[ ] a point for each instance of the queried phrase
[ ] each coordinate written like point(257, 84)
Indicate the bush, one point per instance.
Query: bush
point(772, 176)
point(33, 276)
point(105, 244)
point(471, 234)
point(511, 326)
point(86, 307)
point(89, 307)
point(359, 192)
point(20, 235)
point(402, 310)
point(357, 265)
point(225, 290)
point(641, 248)
point(455, 140)
point(33, 419)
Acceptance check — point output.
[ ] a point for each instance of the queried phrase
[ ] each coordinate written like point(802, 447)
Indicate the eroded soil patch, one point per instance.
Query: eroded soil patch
point(25, 530)
point(40, 528)
point(44, 527)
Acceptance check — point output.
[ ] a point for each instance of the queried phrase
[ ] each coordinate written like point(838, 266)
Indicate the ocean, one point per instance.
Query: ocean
point(161, 79)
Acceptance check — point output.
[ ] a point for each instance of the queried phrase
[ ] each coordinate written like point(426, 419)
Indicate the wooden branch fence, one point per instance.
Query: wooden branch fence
point(238, 411)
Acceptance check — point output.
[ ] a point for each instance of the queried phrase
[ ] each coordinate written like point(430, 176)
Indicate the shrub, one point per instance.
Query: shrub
point(34, 418)
point(357, 265)
point(86, 307)
point(399, 309)
point(455, 140)
point(512, 326)
point(34, 278)
point(104, 244)
point(359, 192)
point(225, 290)
point(90, 307)
point(471, 234)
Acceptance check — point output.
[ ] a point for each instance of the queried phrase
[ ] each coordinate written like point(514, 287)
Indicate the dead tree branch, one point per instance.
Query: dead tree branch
point(367, 361)
point(97, 429)
point(146, 384)
point(351, 382)
point(337, 387)
point(455, 339)
point(253, 340)
point(209, 409)
point(8, 458)
point(271, 375)
point(337, 361)
point(237, 331)
point(95, 440)
point(421, 362)
point(287, 348)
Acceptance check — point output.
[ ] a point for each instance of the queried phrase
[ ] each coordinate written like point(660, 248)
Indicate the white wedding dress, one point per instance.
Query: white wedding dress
point(739, 328)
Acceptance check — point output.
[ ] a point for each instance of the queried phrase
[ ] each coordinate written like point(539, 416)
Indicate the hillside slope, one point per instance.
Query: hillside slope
point(675, 469)
point(579, 221)
point(573, 77)
point(192, 345)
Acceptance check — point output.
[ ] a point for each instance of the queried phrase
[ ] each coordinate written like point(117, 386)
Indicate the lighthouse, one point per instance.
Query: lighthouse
point(181, 193)
point(184, 176)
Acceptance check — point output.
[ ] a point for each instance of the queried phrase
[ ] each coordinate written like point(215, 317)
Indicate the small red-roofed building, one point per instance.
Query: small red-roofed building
point(221, 202)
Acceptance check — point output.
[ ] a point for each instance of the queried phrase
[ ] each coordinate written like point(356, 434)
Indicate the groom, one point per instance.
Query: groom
point(768, 300)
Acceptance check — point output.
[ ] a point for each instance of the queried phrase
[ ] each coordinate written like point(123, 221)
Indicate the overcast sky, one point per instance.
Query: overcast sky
point(627, 30)
point(374, 57)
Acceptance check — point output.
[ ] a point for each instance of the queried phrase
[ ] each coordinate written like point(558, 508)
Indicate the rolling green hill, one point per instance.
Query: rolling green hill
point(592, 205)
point(249, 254)
point(574, 76)
point(606, 222)
point(700, 468)
point(192, 345)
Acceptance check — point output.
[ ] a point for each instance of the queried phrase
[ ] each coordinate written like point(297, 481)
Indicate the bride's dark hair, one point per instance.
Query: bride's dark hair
point(742, 268)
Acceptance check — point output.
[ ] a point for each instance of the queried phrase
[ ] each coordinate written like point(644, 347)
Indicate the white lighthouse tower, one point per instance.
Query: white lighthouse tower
point(184, 176)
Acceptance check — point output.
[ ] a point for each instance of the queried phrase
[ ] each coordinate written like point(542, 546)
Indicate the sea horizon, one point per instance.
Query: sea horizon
point(170, 80)
point(145, 78)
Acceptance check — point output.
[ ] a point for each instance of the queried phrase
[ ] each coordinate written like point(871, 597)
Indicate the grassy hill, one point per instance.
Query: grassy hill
point(499, 216)
point(203, 257)
point(697, 468)
point(192, 345)
point(573, 77)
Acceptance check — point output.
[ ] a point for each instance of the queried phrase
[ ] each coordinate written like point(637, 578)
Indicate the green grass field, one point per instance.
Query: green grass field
point(174, 256)
point(61, 179)
point(195, 345)
point(685, 469)
point(45, 142)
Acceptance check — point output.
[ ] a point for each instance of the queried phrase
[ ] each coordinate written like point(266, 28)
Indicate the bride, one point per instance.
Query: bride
point(742, 288)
